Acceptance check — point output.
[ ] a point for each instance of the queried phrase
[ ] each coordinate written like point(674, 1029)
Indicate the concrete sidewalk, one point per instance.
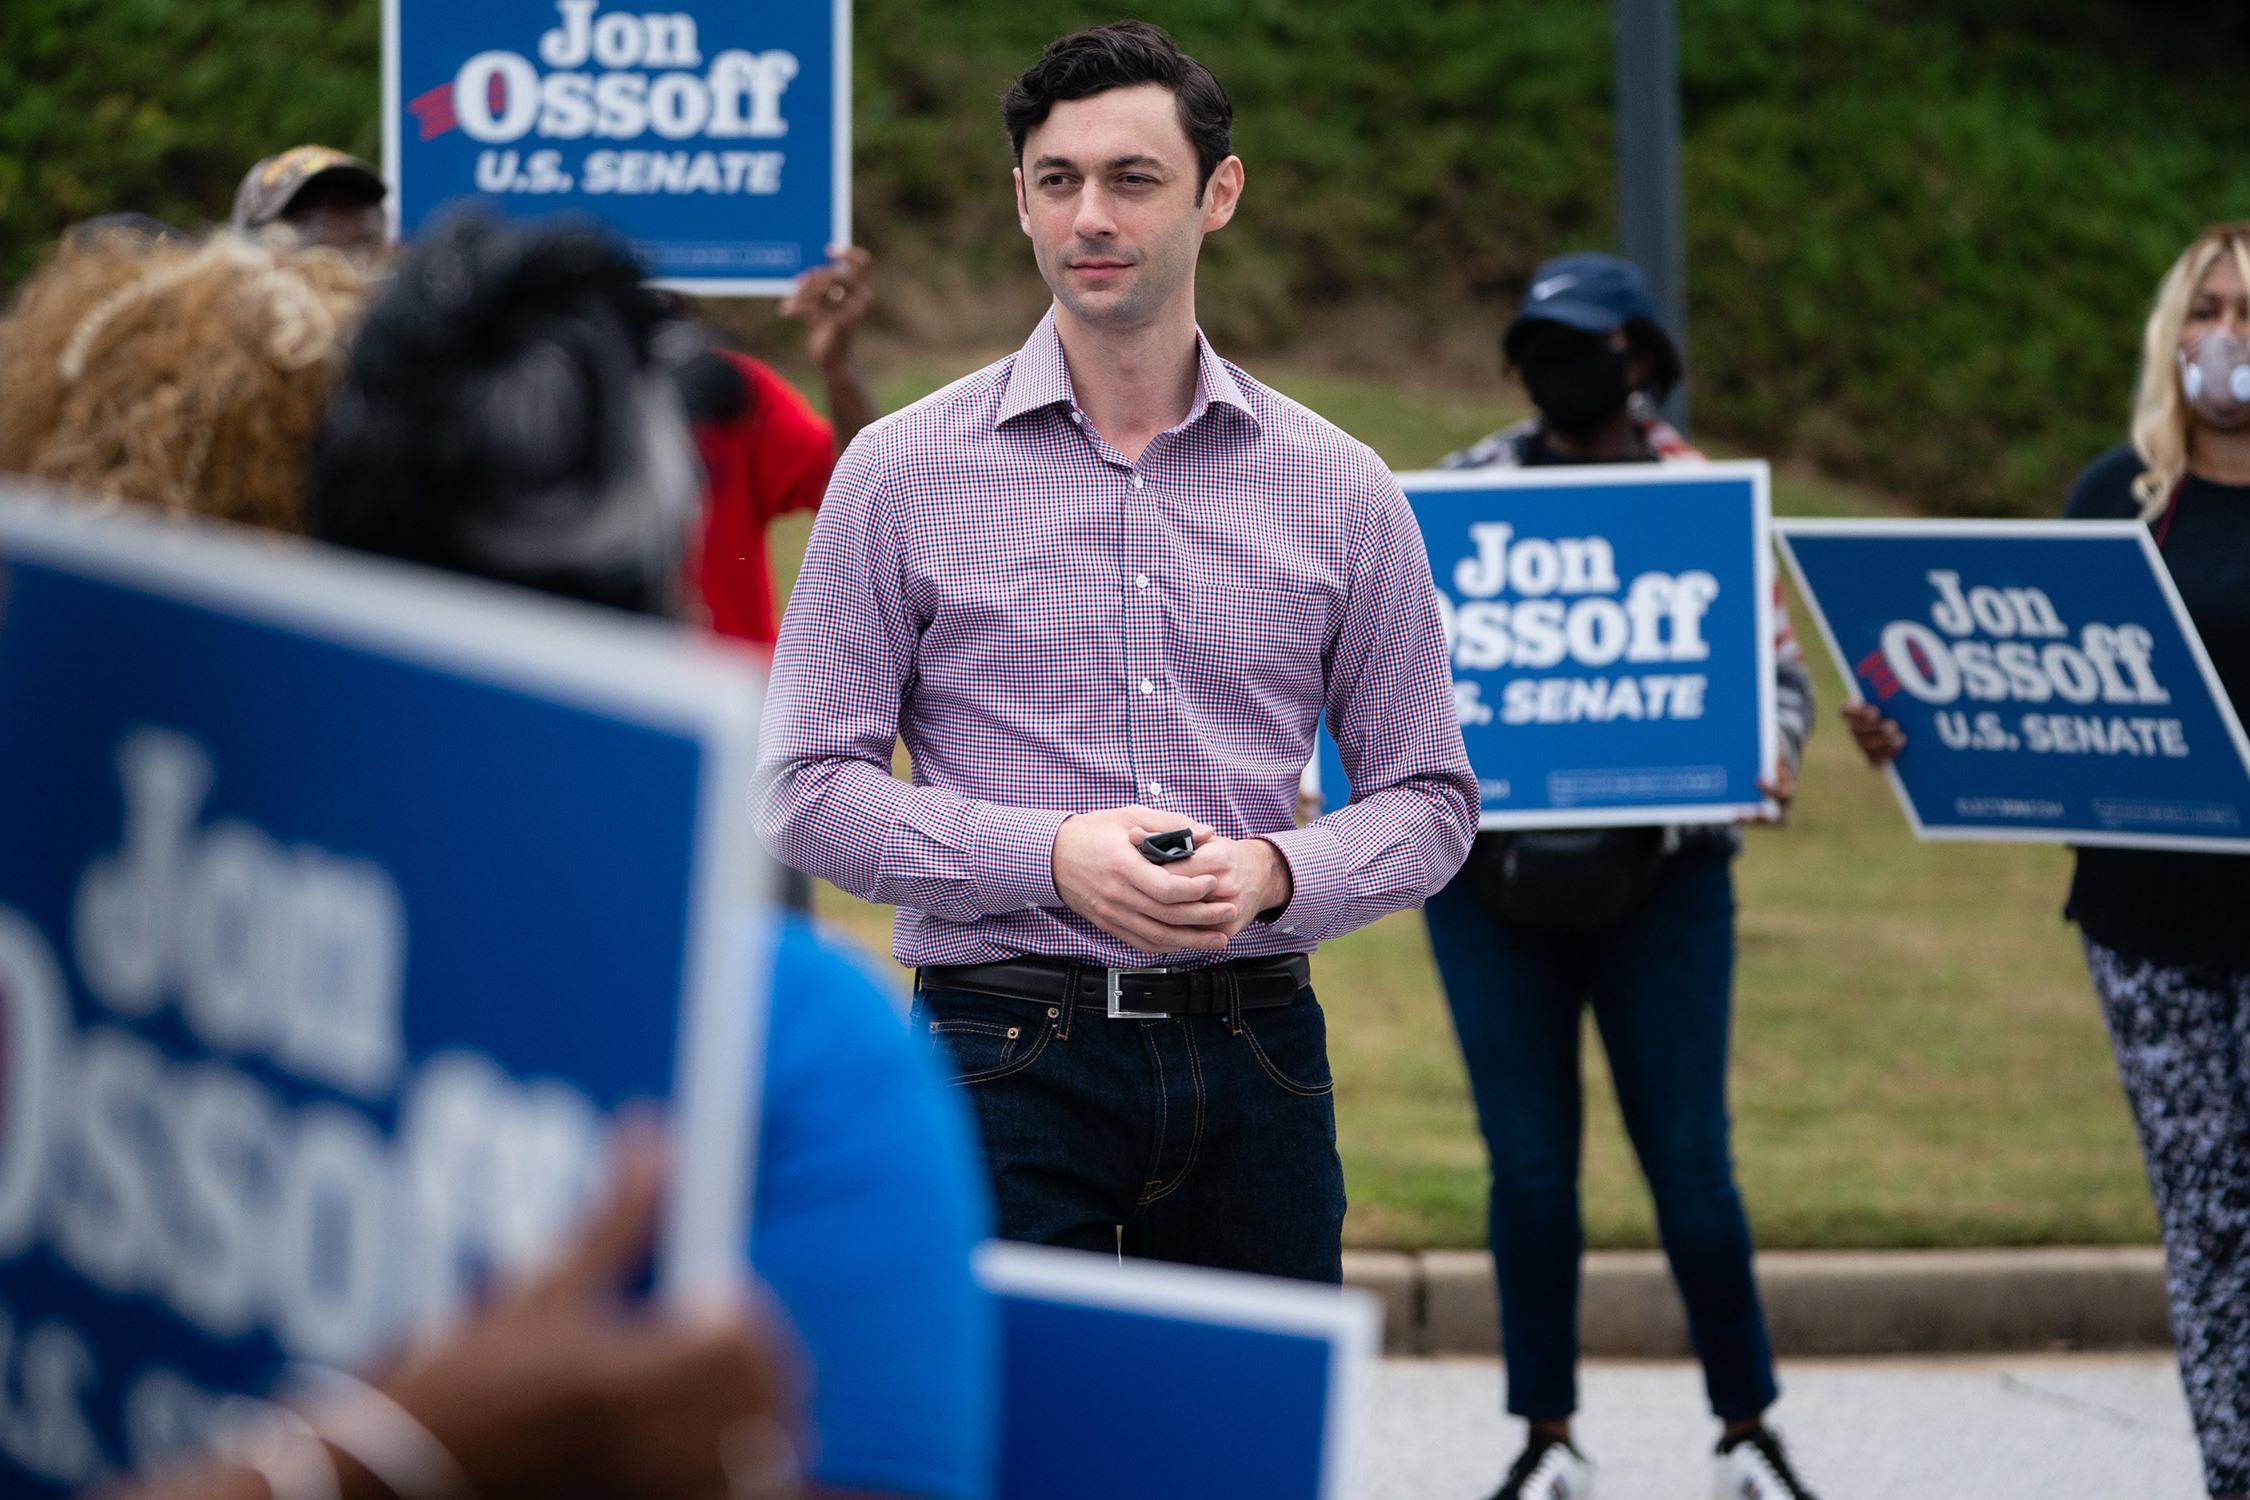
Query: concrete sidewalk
point(1817, 1302)
point(2028, 1427)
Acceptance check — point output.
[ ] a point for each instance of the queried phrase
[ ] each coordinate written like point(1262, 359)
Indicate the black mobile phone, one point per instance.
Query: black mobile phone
point(1169, 847)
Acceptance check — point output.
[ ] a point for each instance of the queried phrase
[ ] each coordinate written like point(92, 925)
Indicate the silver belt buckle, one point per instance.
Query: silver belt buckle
point(1115, 1014)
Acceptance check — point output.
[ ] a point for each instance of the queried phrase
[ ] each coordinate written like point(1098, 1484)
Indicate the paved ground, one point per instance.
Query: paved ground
point(2041, 1427)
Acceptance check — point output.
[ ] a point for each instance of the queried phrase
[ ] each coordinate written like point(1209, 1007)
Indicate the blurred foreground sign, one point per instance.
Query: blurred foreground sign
point(714, 135)
point(340, 903)
point(1124, 1380)
point(1611, 628)
point(2049, 682)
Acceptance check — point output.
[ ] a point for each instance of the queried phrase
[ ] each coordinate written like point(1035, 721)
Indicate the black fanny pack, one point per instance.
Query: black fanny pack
point(1567, 879)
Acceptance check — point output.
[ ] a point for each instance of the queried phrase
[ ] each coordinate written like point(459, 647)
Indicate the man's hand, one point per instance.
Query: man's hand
point(1781, 787)
point(1248, 874)
point(566, 1389)
point(832, 300)
point(1878, 738)
point(1102, 875)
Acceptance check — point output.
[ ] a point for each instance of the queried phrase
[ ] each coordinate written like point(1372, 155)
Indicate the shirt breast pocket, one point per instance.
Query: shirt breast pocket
point(1022, 628)
point(1257, 639)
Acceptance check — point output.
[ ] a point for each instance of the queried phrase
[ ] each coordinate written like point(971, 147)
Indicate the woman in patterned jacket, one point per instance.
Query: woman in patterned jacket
point(2166, 935)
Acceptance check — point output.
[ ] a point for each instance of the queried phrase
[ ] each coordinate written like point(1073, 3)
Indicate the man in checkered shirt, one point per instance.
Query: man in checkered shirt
point(1107, 588)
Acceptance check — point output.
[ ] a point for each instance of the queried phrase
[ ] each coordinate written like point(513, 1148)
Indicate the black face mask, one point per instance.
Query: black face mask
point(1579, 395)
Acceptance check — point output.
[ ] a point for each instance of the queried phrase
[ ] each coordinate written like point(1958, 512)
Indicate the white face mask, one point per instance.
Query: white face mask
point(2215, 378)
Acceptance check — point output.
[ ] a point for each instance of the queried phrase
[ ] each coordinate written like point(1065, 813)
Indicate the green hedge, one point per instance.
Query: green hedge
point(160, 105)
point(1921, 234)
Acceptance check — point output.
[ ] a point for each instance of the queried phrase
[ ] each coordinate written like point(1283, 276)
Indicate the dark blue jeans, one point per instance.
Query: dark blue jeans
point(1660, 985)
point(1211, 1140)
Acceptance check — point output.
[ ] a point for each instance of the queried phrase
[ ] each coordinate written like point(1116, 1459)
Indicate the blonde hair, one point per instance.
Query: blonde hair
point(2163, 422)
point(185, 376)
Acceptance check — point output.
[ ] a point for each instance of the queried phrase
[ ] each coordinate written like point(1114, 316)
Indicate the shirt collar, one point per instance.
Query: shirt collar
point(1040, 378)
point(1215, 385)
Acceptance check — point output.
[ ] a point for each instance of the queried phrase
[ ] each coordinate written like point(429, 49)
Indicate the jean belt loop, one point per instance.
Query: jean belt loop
point(1069, 1006)
point(1234, 1002)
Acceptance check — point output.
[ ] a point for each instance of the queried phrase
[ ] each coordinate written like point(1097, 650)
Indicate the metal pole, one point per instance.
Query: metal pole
point(1648, 167)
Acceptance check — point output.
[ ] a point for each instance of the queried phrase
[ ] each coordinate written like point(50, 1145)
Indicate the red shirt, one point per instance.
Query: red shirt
point(771, 460)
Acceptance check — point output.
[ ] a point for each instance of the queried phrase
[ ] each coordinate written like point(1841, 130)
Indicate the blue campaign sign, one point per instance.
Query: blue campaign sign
point(714, 135)
point(340, 904)
point(2050, 684)
point(1612, 636)
point(1122, 1380)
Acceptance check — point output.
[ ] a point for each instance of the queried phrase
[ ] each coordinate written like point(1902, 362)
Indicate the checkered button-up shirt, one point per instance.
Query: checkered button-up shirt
point(1053, 628)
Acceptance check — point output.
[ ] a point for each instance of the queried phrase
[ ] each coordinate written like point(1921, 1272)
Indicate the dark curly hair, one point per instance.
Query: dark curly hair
point(1120, 56)
point(503, 413)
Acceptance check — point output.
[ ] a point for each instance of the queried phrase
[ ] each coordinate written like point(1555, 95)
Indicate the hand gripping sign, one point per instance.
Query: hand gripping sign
point(1122, 1380)
point(716, 136)
point(2050, 684)
point(1611, 630)
point(339, 904)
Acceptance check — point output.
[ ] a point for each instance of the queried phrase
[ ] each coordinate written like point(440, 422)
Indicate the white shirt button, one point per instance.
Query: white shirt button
point(1140, 580)
point(1156, 789)
point(1147, 687)
point(1290, 930)
point(1078, 417)
point(1136, 481)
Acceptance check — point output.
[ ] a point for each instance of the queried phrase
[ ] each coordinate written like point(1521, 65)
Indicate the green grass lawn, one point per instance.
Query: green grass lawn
point(1918, 1059)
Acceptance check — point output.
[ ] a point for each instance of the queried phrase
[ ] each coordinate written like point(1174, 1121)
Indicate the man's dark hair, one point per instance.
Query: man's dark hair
point(1120, 56)
point(503, 412)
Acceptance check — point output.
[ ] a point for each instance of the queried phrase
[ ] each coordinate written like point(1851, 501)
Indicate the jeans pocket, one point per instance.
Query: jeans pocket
point(1291, 1044)
point(982, 1039)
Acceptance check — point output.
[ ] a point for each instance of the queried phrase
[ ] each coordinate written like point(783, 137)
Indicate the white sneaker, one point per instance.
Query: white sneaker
point(1756, 1467)
point(1547, 1469)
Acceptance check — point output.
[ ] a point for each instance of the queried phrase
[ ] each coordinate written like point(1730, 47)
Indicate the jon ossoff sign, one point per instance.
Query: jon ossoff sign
point(715, 136)
point(1612, 639)
point(2048, 679)
point(312, 1004)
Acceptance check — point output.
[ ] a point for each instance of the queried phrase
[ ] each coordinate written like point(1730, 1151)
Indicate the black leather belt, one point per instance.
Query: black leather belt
point(1132, 994)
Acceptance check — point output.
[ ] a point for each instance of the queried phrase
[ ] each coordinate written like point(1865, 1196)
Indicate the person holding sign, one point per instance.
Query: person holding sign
point(866, 1212)
point(498, 410)
point(1637, 921)
point(1105, 590)
point(2166, 939)
point(765, 451)
point(560, 1390)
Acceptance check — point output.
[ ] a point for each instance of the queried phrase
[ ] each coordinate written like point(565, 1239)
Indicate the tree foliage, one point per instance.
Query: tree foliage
point(1922, 232)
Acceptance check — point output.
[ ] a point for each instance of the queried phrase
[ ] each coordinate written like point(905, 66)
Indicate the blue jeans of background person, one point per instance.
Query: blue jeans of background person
point(1210, 1139)
point(1659, 982)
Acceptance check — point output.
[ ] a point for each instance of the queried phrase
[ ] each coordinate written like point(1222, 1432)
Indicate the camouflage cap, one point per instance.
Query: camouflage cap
point(268, 187)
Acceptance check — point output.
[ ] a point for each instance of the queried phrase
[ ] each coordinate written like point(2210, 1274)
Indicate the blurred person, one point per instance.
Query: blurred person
point(319, 196)
point(1105, 589)
point(566, 1387)
point(2166, 940)
point(765, 451)
point(1637, 923)
point(174, 374)
point(502, 415)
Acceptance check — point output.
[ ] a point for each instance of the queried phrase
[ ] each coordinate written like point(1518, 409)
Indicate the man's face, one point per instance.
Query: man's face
point(350, 225)
point(1107, 193)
